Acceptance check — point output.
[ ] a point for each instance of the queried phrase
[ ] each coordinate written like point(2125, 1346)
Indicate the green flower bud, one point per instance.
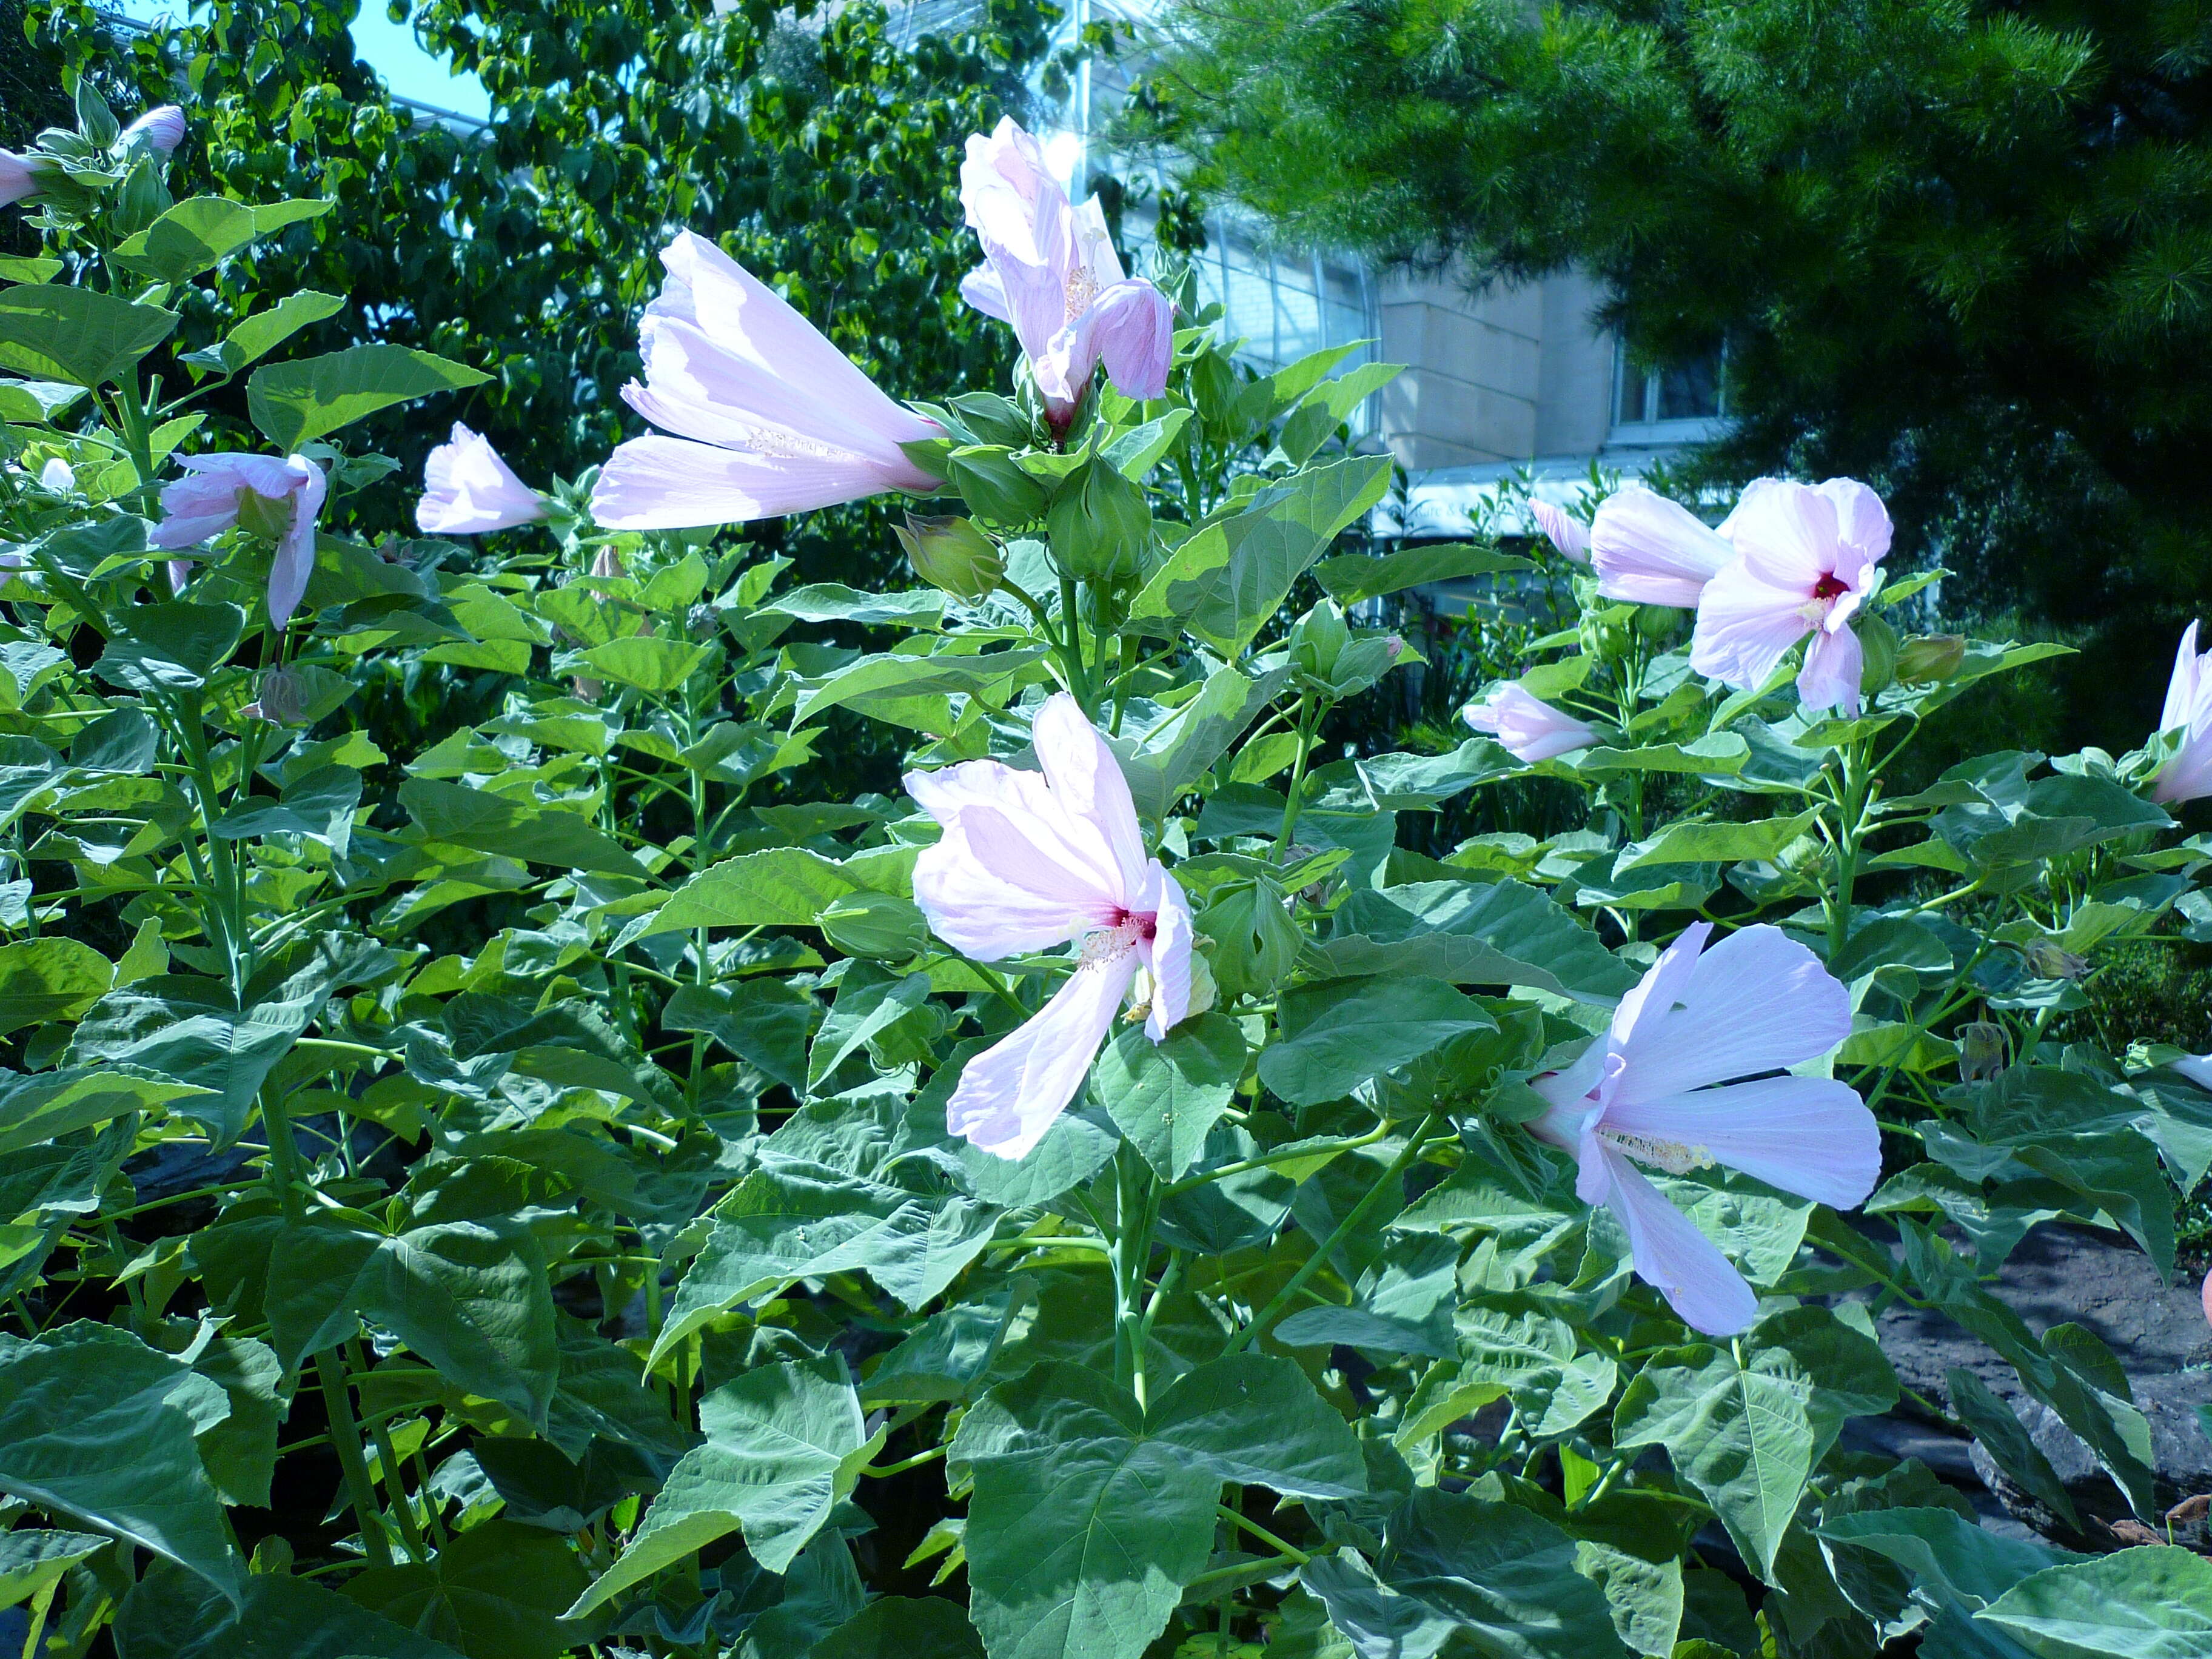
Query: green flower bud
point(1256, 942)
point(993, 419)
point(1609, 635)
point(881, 926)
point(2048, 959)
point(951, 554)
point(1929, 659)
point(995, 489)
point(1981, 1051)
point(1318, 639)
point(1877, 645)
point(1101, 526)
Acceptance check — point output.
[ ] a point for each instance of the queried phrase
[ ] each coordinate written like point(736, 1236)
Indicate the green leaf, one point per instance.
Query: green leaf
point(792, 1220)
point(76, 334)
point(1166, 1096)
point(2008, 1441)
point(646, 663)
point(31, 1559)
point(1171, 757)
point(764, 1021)
point(1089, 1514)
point(262, 332)
point(1356, 576)
point(42, 1105)
point(776, 887)
point(901, 1627)
point(35, 403)
point(1459, 1574)
point(171, 1616)
point(471, 1297)
point(785, 1445)
point(49, 978)
point(870, 1001)
point(1499, 933)
point(494, 824)
point(195, 236)
point(1748, 1432)
point(293, 403)
point(2153, 1601)
point(318, 804)
point(190, 1029)
point(1338, 1033)
point(1138, 451)
point(893, 686)
point(497, 1591)
point(917, 607)
point(1948, 1555)
point(97, 1426)
point(1532, 1354)
point(1696, 842)
point(1229, 578)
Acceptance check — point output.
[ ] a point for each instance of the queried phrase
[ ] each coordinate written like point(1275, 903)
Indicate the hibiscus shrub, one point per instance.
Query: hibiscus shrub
point(1113, 1200)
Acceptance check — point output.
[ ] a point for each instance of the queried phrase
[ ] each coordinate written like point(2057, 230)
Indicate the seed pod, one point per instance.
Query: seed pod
point(880, 926)
point(1929, 659)
point(1877, 645)
point(950, 554)
point(1101, 526)
point(1981, 1051)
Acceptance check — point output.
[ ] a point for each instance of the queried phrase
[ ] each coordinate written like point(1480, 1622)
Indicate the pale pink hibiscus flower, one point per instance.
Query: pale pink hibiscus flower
point(1758, 1001)
point(1808, 557)
point(1563, 530)
point(1650, 550)
point(1529, 728)
point(468, 490)
point(2188, 775)
point(19, 176)
point(1029, 861)
point(162, 127)
point(280, 499)
point(770, 419)
point(1050, 270)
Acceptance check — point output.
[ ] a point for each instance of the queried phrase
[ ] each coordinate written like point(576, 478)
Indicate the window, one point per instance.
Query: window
point(1688, 391)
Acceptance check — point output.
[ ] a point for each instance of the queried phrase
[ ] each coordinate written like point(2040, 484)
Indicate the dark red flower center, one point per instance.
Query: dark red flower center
point(1828, 588)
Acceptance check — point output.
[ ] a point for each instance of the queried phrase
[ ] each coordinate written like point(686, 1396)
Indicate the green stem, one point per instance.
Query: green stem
point(1260, 1532)
point(879, 1470)
point(1293, 1154)
point(345, 1440)
point(1344, 1229)
point(387, 1465)
point(1850, 828)
point(1308, 720)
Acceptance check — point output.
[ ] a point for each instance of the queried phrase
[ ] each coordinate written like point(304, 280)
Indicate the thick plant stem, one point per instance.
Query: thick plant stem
point(1851, 826)
point(1137, 1208)
point(1344, 1229)
point(345, 1440)
point(395, 1479)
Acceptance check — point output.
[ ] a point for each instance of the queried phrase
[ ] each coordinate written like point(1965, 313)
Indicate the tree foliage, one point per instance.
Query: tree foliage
point(1961, 248)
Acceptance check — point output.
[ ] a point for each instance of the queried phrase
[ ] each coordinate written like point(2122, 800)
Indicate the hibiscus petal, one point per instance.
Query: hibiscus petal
point(1088, 785)
point(1663, 985)
point(1167, 958)
point(1746, 625)
point(1809, 1135)
point(1862, 521)
point(1757, 1001)
point(2181, 690)
point(1787, 533)
point(1835, 667)
point(654, 483)
point(981, 288)
point(1675, 1258)
point(296, 554)
point(1012, 1093)
point(1652, 551)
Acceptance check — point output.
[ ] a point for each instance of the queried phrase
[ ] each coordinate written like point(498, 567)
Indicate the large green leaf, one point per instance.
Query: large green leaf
point(900, 1627)
point(192, 1030)
point(97, 1426)
point(1357, 576)
point(262, 332)
point(1499, 932)
point(1173, 753)
point(31, 1559)
point(1948, 1556)
point(764, 1021)
point(1532, 1353)
point(2006, 1439)
point(785, 1445)
point(1747, 1431)
point(776, 887)
point(497, 1591)
point(493, 823)
point(1229, 579)
point(1715, 841)
point(2153, 1601)
point(39, 1106)
point(1338, 1033)
point(899, 688)
point(791, 1220)
point(1090, 1513)
point(1166, 1096)
point(76, 334)
point(1460, 1575)
point(471, 1297)
point(646, 663)
point(171, 1616)
point(294, 402)
point(195, 236)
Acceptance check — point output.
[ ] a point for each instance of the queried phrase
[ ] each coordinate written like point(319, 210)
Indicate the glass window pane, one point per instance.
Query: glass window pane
point(1691, 392)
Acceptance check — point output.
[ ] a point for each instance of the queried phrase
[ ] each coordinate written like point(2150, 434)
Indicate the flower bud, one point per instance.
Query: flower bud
point(1610, 634)
point(1256, 941)
point(881, 926)
point(1878, 645)
point(1981, 1051)
point(161, 128)
point(1929, 659)
point(994, 487)
point(1101, 526)
point(1318, 639)
point(2048, 959)
point(282, 697)
point(950, 554)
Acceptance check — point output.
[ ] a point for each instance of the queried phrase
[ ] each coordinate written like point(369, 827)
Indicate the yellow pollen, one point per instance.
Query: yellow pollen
point(1082, 289)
